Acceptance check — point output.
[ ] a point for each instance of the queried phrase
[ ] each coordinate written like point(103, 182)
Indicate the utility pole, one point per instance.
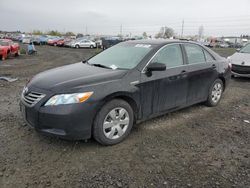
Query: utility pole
point(164, 32)
point(182, 28)
point(121, 30)
point(86, 30)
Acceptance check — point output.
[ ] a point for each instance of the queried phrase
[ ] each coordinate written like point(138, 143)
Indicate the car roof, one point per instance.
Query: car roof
point(6, 40)
point(158, 42)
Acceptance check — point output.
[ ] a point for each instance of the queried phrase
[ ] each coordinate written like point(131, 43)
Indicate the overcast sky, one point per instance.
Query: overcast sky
point(219, 17)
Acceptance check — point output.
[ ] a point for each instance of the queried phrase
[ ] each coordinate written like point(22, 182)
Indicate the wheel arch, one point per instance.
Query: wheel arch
point(123, 96)
point(223, 81)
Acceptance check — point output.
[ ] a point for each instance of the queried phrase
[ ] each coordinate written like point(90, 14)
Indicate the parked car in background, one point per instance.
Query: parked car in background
point(83, 43)
point(223, 45)
point(43, 39)
point(26, 40)
point(3, 52)
point(8, 47)
point(60, 42)
point(36, 40)
point(130, 82)
point(53, 41)
point(110, 41)
point(69, 43)
point(235, 45)
point(241, 62)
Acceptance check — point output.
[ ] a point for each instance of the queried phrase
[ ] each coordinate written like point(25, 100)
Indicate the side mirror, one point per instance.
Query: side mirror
point(238, 49)
point(156, 67)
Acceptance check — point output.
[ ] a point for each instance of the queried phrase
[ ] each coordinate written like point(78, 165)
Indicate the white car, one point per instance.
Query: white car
point(26, 40)
point(83, 43)
point(241, 62)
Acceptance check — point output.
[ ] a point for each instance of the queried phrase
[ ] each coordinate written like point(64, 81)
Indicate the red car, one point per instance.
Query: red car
point(53, 41)
point(60, 42)
point(8, 47)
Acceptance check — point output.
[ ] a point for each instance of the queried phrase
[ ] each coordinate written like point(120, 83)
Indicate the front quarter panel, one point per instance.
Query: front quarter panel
point(127, 86)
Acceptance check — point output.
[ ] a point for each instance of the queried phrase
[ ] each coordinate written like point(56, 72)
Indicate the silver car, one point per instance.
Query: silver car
point(84, 43)
point(241, 62)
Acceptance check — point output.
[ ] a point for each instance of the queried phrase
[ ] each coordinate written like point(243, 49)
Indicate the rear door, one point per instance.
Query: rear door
point(83, 43)
point(164, 90)
point(202, 71)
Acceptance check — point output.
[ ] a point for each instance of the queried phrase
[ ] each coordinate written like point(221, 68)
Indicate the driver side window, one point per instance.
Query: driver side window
point(170, 55)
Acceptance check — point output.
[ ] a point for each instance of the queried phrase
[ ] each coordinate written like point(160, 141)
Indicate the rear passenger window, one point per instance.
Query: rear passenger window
point(170, 55)
point(194, 54)
point(209, 58)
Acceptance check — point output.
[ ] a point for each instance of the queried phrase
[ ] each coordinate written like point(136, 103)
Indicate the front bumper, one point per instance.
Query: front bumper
point(241, 70)
point(72, 121)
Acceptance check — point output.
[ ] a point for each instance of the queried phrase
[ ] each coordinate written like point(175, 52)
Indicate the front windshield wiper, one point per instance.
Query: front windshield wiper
point(101, 65)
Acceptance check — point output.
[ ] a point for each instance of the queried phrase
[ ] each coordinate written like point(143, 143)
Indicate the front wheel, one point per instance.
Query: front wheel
point(215, 93)
point(113, 122)
point(77, 46)
point(91, 47)
point(17, 53)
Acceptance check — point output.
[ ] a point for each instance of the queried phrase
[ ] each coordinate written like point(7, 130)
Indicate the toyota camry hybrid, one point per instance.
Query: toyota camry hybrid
point(104, 96)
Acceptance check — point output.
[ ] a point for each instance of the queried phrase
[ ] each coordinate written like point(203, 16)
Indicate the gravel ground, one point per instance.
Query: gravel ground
point(194, 147)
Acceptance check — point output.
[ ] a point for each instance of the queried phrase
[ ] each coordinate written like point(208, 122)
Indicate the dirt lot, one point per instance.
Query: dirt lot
point(194, 147)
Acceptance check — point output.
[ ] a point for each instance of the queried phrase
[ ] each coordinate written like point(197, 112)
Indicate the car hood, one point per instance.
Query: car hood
point(74, 75)
point(239, 58)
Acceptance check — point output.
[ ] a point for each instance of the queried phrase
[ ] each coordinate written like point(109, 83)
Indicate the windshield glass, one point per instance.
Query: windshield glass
point(2, 43)
point(122, 56)
point(245, 49)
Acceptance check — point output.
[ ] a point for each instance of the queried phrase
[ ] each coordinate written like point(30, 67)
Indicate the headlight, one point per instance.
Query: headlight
point(68, 98)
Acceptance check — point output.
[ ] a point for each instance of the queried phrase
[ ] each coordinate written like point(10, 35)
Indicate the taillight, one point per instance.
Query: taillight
point(230, 65)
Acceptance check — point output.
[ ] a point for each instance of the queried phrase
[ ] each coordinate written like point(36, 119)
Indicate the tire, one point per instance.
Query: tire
point(17, 54)
point(55, 44)
point(215, 93)
point(91, 46)
point(114, 126)
point(77, 46)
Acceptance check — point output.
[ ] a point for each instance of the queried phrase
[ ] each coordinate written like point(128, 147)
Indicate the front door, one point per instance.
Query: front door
point(165, 90)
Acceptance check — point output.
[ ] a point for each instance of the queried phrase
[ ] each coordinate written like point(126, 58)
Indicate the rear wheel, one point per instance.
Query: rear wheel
point(113, 122)
point(91, 46)
point(215, 93)
point(77, 46)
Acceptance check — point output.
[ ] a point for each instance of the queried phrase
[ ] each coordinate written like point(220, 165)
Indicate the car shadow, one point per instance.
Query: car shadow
point(241, 79)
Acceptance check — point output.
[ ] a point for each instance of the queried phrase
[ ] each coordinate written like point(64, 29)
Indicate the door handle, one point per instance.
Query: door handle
point(213, 66)
point(183, 72)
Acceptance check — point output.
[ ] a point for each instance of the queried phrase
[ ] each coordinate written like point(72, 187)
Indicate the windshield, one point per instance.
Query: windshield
point(2, 43)
point(122, 56)
point(245, 49)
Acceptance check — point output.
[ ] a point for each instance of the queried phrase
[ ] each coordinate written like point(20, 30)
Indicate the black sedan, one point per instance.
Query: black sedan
point(125, 84)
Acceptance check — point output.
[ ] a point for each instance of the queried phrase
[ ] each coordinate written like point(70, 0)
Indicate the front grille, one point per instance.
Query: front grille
point(32, 98)
point(241, 69)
